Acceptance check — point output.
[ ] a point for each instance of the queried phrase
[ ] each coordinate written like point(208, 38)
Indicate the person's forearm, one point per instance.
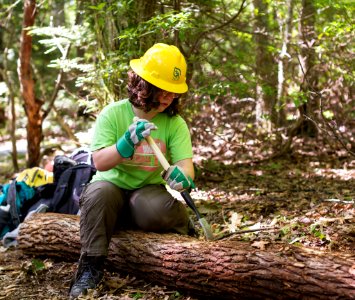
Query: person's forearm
point(187, 167)
point(107, 158)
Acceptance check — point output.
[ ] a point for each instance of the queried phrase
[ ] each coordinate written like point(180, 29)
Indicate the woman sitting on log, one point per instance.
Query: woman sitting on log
point(128, 188)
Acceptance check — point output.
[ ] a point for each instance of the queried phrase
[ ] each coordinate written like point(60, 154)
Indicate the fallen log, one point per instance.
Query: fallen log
point(215, 270)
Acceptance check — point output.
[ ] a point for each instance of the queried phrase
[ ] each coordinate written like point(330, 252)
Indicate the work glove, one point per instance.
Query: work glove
point(177, 180)
point(136, 132)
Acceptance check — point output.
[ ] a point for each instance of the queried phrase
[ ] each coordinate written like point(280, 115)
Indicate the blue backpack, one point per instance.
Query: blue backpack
point(15, 199)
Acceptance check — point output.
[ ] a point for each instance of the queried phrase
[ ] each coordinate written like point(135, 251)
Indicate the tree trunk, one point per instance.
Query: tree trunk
point(177, 8)
point(7, 78)
point(13, 123)
point(265, 66)
point(308, 68)
point(145, 10)
point(216, 270)
point(58, 13)
point(31, 103)
point(79, 18)
point(105, 28)
point(285, 31)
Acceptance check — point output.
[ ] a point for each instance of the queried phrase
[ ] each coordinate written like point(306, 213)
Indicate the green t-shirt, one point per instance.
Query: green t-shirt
point(172, 137)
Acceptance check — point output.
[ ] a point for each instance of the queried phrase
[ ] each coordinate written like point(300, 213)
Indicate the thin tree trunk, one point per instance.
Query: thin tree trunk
point(285, 30)
point(58, 13)
point(210, 270)
point(145, 11)
point(308, 67)
point(32, 105)
point(9, 85)
point(79, 18)
point(13, 127)
point(265, 65)
point(177, 8)
point(7, 78)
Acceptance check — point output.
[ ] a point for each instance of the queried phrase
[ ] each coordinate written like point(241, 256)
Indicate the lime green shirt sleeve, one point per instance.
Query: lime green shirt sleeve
point(179, 141)
point(104, 134)
point(111, 124)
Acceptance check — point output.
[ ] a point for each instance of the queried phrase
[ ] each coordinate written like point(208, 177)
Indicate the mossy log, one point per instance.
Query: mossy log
point(210, 270)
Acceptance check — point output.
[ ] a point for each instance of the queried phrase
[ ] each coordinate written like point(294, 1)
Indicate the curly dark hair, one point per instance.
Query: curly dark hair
point(144, 95)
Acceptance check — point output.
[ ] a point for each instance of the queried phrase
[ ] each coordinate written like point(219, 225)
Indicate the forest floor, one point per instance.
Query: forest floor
point(301, 200)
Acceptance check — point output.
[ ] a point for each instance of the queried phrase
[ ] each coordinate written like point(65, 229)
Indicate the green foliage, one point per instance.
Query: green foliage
point(137, 295)
point(33, 267)
point(163, 25)
point(328, 114)
point(299, 98)
point(98, 7)
point(37, 265)
point(273, 166)
point(221, 52)
point(285, 230)
point(335, 39)
point(61, 37)
point(102, 72)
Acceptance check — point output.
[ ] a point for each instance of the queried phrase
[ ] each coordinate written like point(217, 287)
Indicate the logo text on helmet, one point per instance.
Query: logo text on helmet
point(176, 74)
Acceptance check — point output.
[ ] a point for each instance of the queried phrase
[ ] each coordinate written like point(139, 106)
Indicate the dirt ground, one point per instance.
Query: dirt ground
point(307, 203)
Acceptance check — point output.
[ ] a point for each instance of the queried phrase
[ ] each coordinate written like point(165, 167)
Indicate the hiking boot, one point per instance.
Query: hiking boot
point(88, 275)
point(191, 229)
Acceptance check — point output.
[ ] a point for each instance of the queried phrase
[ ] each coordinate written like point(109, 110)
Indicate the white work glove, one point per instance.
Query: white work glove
point(177, 180)
point(136, 132)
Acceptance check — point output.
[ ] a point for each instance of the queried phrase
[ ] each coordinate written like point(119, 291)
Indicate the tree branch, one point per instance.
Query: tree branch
point(192, 50)
point(57, 85)
point(335, 134)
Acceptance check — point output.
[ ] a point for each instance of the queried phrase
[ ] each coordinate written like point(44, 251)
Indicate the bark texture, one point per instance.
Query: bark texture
point(214, 270)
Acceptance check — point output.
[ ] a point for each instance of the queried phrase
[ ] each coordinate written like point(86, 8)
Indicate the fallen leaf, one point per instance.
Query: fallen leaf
point(260, 244)
point(236, 220)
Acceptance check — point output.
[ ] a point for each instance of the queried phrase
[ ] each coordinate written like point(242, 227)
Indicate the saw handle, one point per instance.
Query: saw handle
point(163, 161)
point(165, 164)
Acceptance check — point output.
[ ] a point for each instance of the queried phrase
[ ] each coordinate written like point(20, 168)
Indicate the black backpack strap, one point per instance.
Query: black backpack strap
point(61, 189)
point(11, 199)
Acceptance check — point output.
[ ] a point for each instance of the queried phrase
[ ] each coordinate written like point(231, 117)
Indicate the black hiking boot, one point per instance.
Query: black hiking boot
point(191, 229)
point(88, 275)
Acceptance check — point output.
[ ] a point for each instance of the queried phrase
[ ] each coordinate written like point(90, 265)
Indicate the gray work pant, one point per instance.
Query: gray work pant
point(105, 208)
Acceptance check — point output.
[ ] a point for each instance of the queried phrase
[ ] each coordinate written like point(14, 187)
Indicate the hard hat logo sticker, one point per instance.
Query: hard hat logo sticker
point(176, 74)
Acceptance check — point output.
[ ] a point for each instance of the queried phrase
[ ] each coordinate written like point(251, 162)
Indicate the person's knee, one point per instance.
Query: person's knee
point(154, 209)
point(103, 194)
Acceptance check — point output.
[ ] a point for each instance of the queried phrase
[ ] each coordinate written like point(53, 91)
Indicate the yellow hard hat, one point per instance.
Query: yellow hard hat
point(163, 66)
